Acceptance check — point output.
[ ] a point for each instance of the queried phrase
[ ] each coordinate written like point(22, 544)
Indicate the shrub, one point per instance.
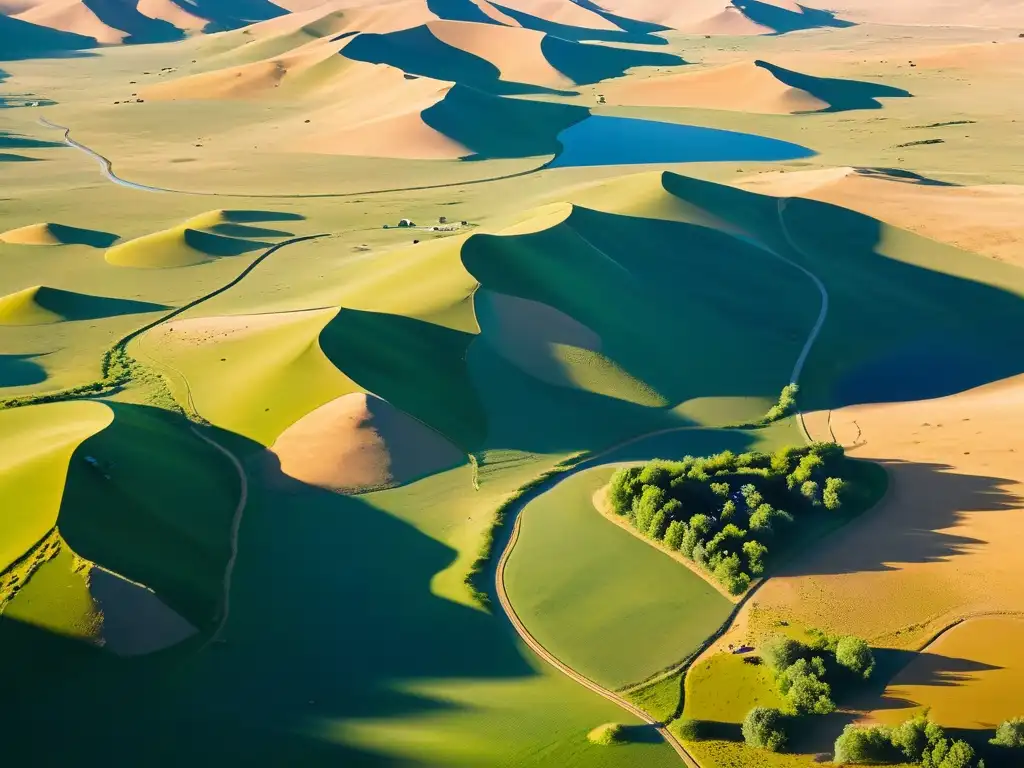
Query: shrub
point(608, 735)
point(766, 517)
point(809, 490)
point(806, 691)
point(764, 728)
point(686, 729)
point(806, 468)
point(1010, 733)
point(755, 552)
point(947, 754)
point(691, 539)
point(751, 496)
point(782, 652)
point(720, 489)
point(854, 654)
point(864, 745)
point(729, 573)
point(646, 505)
point(621, 491)
point(674, 534)
point(914, 737)
point(728, 511)
point(832, 496)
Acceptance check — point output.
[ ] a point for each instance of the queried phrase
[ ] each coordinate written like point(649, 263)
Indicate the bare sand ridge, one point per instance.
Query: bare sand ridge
point(516, 52)
point(988, 220)
point(359, 442)
point(561, 12)
point(943, 544)
point(742, 87)
point(708, 17)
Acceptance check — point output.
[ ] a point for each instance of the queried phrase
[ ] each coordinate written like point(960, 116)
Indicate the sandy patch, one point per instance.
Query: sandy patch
point(943, 544)
point(134, 620)
point(987, 220)
point(970, 677)
point(742, 87)
point(359, 442)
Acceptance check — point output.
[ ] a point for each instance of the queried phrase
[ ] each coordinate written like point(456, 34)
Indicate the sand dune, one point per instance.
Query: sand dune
point(988, 13)
point(49, 233)
point(559, 12)
point(207, 236)
point(740, 87)
point(722, 17)
point(986, 219)
point(359, 442)
point(140, 21)
point(42, 305)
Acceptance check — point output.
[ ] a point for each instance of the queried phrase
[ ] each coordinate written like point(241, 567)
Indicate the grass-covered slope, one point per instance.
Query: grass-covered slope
point(154, 503)
point(36, 446)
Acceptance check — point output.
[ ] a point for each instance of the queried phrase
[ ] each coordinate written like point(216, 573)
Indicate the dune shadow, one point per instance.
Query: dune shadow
point(221, 245)
point(460, 10)
point(222, 15)
point(585, 64)
point(21, 371)
point(416, 366)
point(258, 217)
point(332, 619)
point(245, 230)
point(23, 40)
point(494, 127)
point(10, 157)
point(841, 95)
point(16, 141)
point(416, 51)
point(638, 34)
point(137, 27)
point(632, 26)
point(904, 176)
point(782, 20)
point(72, 306)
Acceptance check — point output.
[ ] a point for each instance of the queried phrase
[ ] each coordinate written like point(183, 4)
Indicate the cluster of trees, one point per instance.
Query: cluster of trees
point(1010, 734)
point(917, 741)
point(806, 673)
point(724, 511)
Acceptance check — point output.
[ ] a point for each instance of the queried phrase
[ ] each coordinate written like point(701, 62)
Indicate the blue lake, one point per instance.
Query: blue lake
point(604, 140)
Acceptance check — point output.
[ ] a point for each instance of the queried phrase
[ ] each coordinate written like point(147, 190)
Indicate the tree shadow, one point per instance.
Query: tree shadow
point(638, 34)
point(924, 502)
point(840, 95)
point(417, 51)
point(782, 20)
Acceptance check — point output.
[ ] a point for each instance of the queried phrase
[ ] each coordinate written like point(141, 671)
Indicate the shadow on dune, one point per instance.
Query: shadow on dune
point(782, 20)
point(15, 141)
point(138, 27)
point(222, 15)
point(22, 40)
point(637, 35)
point(417, 51)
point(10, 157)
point(416, 366)
point(332, 621)
point(905, 176)
point(460, 10)
point(494, 127)
point(840, 95)
point(21, 371)
point(585, 64)
point(633, 26)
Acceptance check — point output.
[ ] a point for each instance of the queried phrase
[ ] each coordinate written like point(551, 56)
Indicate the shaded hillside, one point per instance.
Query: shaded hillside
point(22, 40)
point(840, 95)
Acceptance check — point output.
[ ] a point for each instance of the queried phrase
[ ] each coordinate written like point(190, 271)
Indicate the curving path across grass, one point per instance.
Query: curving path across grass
point(516, 515)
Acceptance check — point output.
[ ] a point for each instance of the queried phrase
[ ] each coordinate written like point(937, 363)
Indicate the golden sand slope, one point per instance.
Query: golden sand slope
point(971, 677)
point(561, 12)
point(742, 87)
point(988, 220)
point(359, 442)
point(72, 16)
point(944, 543)
point(515, 51)
point(706, 17)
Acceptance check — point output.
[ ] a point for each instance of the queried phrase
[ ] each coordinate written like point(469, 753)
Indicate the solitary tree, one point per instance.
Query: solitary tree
point(854, 654)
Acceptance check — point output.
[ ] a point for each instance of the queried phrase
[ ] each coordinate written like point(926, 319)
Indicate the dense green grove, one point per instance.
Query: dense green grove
point(726, 512)
point(918, 741)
